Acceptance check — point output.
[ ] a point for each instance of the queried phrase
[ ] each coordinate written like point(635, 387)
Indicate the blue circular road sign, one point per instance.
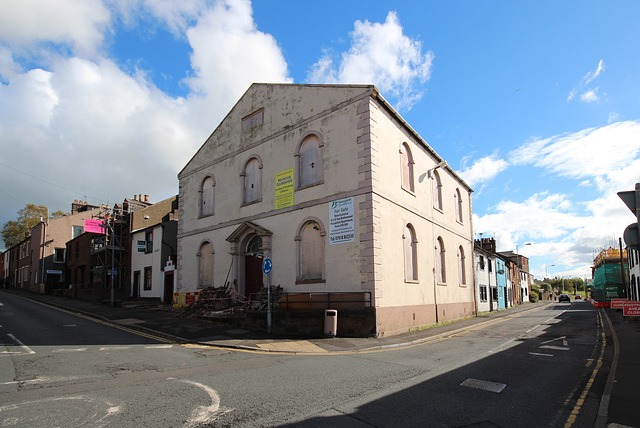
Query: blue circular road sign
point(267, 265)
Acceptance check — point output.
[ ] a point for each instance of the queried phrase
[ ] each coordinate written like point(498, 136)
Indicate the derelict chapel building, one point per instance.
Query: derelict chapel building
point(345, 197)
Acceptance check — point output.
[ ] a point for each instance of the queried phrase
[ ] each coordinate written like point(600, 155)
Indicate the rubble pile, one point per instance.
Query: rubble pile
point(213, 300)
point(223, 300)
point(258, 301)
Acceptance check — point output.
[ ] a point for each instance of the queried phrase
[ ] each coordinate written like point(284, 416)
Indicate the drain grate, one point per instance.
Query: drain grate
point(484, 385)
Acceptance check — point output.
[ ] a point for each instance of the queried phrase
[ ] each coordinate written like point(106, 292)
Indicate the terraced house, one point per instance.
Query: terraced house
point(357, 212)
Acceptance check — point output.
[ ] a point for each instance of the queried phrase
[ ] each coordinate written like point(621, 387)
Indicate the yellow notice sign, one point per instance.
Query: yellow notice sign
point(284, 189)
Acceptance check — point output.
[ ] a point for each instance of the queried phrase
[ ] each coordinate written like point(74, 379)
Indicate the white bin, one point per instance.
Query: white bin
point(330, 322)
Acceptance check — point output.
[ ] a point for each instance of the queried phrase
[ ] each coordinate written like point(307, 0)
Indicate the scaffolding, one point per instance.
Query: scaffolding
point(609, 274)
point(109, 252)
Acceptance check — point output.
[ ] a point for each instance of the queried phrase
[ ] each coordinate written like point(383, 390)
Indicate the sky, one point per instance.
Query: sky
point(535, 104)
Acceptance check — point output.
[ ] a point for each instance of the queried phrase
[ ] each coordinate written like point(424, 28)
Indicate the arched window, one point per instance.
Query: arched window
point(205, 265)
point(440, 262)
point(310, 246)
point(252, 181)
point(462, 272)
point(310, 161)
point(410, 244)
point(437, 191)
point(206, 196)
point(406, 160)
point(458, 202)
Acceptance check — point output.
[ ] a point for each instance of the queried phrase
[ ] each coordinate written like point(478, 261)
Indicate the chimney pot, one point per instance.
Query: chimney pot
point(146, 198)
point(135, 197)
point(140, 197)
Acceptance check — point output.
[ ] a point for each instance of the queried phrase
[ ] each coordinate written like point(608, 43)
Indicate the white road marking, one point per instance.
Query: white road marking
point(554, 348)
point(114, 348)
point(45, 379)
point(58, 351)
point(533, 328)
point(485, 385)
point(503, 346)
point(541, 355)
point(22, 345)
point(563, 338)
point(204, 414)
point(158, 347)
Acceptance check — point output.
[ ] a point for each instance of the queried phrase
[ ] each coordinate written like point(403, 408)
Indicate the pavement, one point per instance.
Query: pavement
point(617, 405)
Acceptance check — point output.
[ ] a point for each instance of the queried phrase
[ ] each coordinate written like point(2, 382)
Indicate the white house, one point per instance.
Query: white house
point(153, 250)
point(344, 196)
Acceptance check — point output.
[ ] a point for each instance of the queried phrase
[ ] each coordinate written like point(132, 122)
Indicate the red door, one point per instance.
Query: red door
point(252, 275)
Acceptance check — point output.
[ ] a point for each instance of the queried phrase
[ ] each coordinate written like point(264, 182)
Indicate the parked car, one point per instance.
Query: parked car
point(564, 298)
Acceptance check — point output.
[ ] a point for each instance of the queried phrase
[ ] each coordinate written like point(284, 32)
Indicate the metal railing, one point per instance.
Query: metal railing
point(319, 301)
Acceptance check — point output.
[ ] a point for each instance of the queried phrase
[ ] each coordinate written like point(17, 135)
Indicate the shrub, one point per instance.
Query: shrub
point(533, 296)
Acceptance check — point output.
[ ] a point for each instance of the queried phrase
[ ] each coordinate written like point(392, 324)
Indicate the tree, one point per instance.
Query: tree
point(14, 231)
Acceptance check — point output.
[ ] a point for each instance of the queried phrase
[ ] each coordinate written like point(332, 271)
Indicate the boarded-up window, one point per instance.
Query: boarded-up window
point(206, 265)
point(407, 167)
point(310, 161)
point(458, 202)
point(252, 181)
point(207, 197)
point(410, 254)
point(437, 191)
point(440, 261)
point(311, 253)
point(462, 272)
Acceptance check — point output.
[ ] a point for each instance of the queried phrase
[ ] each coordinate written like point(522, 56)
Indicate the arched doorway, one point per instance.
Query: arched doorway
point(253, 266)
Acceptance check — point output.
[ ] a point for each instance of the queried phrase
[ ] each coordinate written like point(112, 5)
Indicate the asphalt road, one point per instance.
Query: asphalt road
point(534, 369)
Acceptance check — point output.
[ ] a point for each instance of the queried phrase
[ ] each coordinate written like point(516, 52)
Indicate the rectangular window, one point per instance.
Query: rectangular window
point(483, 293)
point(481, 263)
point(77, 231)
point(148, 237)
point(494, 293)
point(251, 121)
point(147, 278)
point(58, 255)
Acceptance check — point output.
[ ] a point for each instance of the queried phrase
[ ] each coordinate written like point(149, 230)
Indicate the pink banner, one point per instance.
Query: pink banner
point(93, 226)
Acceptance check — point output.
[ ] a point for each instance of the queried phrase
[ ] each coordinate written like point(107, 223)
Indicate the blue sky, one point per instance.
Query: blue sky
point(534, 103)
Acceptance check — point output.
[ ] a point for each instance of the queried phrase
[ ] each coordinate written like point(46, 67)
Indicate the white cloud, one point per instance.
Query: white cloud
point(80, 121)
point(590, 96)
point(613, 117)
point(605, 155)
point(590, 76)
point(382, 55)
point(80, 25)
point(242, 55)
point(483, 170)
